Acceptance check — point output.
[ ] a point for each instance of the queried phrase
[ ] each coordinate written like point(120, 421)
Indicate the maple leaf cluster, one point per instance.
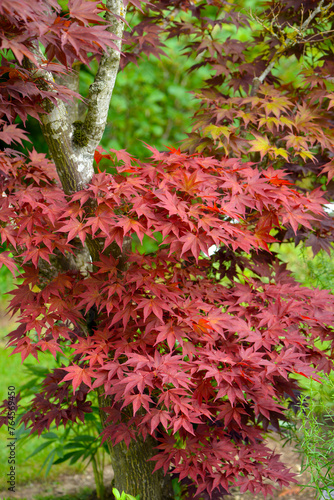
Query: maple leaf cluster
point(66, 38)
point(287, 124)
point(201, 366)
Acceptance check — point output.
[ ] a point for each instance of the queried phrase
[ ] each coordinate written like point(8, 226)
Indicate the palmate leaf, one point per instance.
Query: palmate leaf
point(12, 133)
point(85, 12)
point(6, 260)
point(260, 144)
point(78, 375)
point(74, 228)
point(186, 354)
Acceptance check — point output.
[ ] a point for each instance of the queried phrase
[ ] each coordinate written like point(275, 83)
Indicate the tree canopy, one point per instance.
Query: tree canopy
point(191, 355)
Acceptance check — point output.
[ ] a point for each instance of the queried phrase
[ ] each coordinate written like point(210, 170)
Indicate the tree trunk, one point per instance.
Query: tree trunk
point(133, 473)
point(72, 144)
point(132, 470)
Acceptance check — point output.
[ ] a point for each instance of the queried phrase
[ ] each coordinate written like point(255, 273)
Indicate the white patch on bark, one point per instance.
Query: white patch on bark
point(58, 114)
point(84, 159)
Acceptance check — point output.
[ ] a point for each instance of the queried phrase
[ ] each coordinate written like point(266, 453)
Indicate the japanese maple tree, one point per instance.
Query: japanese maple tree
point(191, 356)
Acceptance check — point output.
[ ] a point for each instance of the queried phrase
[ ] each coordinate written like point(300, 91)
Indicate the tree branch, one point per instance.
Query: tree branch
point(73, 162)
point(72, 143)
point(100, 91)
point(316, 11)
point(257, 81)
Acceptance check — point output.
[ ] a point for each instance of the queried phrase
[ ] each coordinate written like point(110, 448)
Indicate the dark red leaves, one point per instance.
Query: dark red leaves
point(196, 351)
point(8, 262)
point(11, 133)
point(85, 12)
point(204, 364)
point(68, 38)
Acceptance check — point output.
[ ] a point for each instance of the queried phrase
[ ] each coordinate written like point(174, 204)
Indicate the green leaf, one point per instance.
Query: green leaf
point(51, 459)
point(60, 451)
point(216, 132)
point(60, 460)
point(260, 144)
point(40, 371)
point(84, 438)
point(40, 448)
point(76, 456)
point(50, 435)
point(281, 152)
point(176, 488)
point(116, 493)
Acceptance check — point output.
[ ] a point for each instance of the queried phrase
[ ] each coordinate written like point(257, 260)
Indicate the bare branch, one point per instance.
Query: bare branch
point(288, 44)
point(316, 11)
point(266, 72)
point(100, 91)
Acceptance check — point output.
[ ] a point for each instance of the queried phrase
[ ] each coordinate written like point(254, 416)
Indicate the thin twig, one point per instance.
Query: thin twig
point(312, 15)
point(290, 43)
